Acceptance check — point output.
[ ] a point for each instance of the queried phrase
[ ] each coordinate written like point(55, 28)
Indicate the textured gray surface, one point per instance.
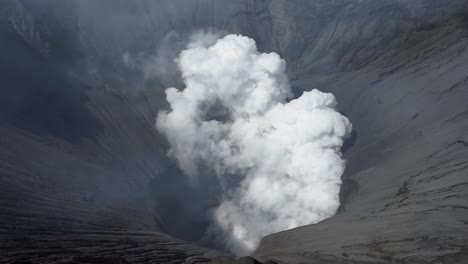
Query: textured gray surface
point(83, 173)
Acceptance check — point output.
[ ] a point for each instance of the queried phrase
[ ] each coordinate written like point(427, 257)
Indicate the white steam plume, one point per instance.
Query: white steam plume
point(234, 117)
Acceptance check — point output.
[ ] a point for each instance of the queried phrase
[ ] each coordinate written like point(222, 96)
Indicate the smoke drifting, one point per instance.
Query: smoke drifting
point(277, 160)
point(159, 64)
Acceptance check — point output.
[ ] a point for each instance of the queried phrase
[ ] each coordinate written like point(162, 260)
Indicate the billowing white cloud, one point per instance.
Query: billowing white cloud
point(277, 159)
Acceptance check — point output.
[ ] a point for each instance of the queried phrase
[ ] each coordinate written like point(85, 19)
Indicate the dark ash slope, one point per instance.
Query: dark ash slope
point(83, 173)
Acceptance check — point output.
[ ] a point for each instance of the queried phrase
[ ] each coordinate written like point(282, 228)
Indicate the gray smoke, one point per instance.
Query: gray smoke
point(159, 63)
point(278, 162)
